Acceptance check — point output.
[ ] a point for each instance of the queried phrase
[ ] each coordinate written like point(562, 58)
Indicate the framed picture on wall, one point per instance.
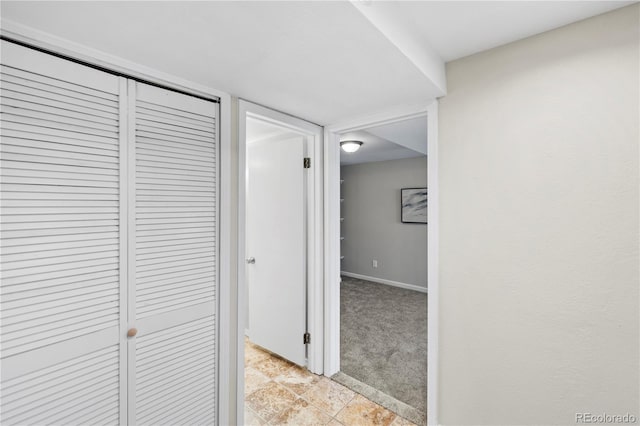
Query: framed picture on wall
point(414, 205)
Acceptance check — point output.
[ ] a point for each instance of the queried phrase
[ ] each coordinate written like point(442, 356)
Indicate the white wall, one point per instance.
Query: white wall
point(539, 182)
point(372, 226)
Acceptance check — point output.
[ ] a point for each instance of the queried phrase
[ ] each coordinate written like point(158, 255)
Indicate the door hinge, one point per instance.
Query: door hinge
point(307, 338)
point(307, 162)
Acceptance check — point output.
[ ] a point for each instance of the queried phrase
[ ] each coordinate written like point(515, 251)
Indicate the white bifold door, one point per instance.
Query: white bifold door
point(108, 248)
point(173, 259)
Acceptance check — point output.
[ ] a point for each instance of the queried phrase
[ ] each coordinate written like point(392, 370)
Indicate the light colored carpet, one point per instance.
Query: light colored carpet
point(383, 339)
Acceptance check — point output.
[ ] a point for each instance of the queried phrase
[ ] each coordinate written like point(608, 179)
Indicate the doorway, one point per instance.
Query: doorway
point(280, 245)
point(333, 243)
point(383, 252)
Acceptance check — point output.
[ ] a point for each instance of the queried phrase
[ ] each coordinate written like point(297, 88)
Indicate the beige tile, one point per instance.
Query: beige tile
point(253, 354)
point(297, 379)
point(334, 422)
point(253, 380)
point(362, 412)
point(270, 400)
point(399, 421)
point(251, 418)
point(301, 413)
point(329, 396)
point(272, 366)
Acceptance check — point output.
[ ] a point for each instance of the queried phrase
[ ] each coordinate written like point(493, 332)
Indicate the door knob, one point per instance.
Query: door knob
point(251, 260)
point(132, 332)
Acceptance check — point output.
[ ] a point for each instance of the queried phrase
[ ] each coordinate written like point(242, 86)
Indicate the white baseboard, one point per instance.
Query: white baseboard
point(387, 282)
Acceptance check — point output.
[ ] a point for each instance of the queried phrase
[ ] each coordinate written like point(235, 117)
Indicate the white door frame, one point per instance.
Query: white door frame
point(332, 241)
point(315, 259)
point(71, 49)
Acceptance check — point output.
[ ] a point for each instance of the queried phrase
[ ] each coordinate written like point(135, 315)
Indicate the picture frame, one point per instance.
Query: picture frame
point(413, 205)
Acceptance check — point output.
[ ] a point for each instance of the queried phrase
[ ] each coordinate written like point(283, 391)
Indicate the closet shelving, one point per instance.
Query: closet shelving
point(341, 220)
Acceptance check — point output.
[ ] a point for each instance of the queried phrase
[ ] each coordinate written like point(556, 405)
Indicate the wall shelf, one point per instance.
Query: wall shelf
point(341, 219)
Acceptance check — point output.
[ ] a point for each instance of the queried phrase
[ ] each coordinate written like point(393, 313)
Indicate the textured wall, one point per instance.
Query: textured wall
point(372, 226)
point(539, 185)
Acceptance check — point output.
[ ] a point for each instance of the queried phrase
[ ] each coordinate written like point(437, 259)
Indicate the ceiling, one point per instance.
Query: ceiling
point(324, 61)
point(460, 28)
point(394, 141)
point(411, 134)
point(321, 61)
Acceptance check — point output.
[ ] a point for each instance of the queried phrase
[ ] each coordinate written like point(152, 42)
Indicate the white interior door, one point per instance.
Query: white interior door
point(276, 245)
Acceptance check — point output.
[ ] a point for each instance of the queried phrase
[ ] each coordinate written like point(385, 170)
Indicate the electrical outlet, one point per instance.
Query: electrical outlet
point(375, 263)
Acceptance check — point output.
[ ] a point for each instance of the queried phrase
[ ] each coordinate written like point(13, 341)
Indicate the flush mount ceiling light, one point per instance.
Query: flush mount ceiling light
point(350, 146)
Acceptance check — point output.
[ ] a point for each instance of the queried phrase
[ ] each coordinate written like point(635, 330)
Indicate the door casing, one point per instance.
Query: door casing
point(315, 233)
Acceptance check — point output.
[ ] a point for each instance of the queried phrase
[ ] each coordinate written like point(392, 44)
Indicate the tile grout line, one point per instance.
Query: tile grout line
point(324, 412)
point(345, 405)
point(316, 406)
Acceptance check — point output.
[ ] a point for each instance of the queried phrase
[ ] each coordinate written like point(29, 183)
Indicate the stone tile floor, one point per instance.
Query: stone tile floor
point(278, 392)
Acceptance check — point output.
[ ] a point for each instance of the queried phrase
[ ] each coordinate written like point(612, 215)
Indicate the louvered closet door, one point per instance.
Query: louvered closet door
point(174, 354)
point(61, 240)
